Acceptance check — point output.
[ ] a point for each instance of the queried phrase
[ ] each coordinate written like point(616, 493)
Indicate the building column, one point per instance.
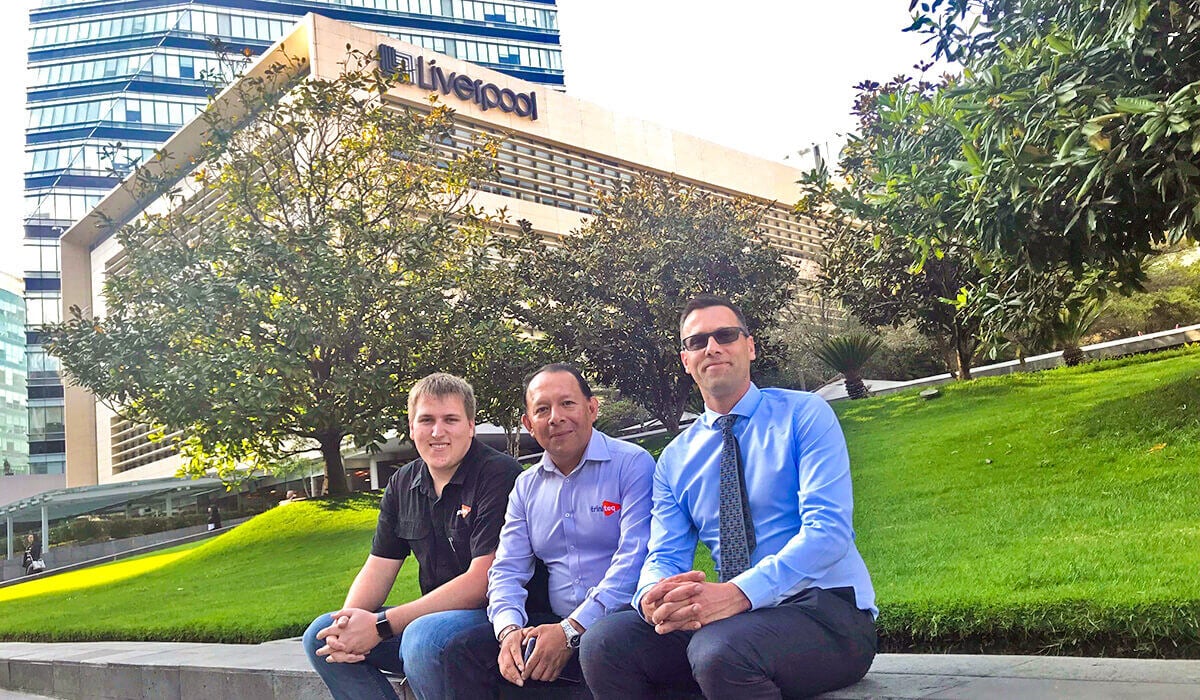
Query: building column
point(374, 473)
point(45, 530)
point(8, 533)
point(170, 508)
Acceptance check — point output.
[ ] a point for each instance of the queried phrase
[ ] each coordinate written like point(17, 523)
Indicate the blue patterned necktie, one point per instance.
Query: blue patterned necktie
point(735, 545)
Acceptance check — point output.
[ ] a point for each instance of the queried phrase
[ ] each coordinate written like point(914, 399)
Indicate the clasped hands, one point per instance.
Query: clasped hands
point(351, 636)
point(686, 602)
point(550, 654)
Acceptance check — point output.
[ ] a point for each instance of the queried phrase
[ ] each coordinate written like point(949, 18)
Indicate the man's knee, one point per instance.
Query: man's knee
point(425, 639)
point(311, 643)
point(607, 640)
point(715, 661)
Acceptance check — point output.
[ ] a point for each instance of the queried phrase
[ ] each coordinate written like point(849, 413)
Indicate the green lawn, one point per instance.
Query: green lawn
point(1055, 512)
point(1049, 511)
point(263, 580)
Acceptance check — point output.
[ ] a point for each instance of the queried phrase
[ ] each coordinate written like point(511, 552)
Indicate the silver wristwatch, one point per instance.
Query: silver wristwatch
point(573, 635)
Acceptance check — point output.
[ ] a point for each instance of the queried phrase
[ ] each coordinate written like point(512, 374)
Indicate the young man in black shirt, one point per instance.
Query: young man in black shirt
point(446, 509)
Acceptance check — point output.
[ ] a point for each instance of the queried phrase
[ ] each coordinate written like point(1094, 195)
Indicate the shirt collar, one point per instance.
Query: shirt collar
point(744, 407)
point(424, 480)
point(596, 451)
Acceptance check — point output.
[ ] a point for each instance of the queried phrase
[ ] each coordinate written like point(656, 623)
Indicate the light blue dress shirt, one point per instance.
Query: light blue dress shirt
point(797, 475)
point(590, 528)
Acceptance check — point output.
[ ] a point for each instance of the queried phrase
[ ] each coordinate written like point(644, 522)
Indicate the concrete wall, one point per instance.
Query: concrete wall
point(14, 488)
point(73, 554)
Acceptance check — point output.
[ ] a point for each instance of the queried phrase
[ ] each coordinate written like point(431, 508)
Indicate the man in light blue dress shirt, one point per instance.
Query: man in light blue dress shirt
point(583, 510)
point(794, 613)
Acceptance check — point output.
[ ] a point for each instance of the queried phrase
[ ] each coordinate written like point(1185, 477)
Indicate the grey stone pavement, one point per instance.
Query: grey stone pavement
point(278, 671)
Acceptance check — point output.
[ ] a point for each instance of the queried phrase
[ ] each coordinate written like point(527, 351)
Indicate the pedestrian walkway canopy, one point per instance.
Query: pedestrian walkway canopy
point(58, 504)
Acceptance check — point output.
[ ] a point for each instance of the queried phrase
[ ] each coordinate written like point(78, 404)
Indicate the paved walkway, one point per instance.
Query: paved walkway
point(278, 671)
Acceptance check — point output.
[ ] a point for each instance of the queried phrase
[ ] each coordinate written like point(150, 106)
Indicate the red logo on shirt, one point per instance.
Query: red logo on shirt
point(609, 508)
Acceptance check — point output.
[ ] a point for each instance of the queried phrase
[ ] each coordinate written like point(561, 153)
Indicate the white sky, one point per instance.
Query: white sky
point(768, 77)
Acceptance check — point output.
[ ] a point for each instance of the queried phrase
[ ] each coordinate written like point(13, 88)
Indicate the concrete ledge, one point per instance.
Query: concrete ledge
point(278, 671)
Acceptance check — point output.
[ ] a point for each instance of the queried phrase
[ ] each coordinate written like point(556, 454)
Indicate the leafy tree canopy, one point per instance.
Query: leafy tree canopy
point(1079, 123)
point(612, 291)
point(295, 286)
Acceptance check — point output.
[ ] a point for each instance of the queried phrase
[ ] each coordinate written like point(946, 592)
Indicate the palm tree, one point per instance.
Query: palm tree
point(847, 354)
point(1072, 324)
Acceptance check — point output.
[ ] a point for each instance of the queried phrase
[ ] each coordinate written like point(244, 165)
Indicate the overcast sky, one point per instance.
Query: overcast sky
point(768, 77)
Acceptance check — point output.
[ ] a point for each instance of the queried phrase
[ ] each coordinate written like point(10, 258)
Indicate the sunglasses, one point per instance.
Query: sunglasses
point(724, 336)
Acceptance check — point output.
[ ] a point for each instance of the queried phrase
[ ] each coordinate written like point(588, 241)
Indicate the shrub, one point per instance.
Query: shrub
point(904, 355)
point(619, 414)
point(120, 528)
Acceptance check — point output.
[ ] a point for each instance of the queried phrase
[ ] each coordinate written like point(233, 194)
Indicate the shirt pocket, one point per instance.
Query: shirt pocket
point(460, 536)
point(413, 530)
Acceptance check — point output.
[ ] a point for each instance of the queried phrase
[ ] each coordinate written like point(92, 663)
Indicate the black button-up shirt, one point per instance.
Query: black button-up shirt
point(446, 533)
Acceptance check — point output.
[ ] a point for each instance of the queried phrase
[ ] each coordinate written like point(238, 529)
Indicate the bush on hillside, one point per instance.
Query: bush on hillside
point(1172, 298)
point(617, 415)
point(905, 355)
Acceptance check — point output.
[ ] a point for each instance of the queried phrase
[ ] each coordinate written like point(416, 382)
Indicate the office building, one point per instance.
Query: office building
point(111, 80)
point(14, 421)
point(557, 154)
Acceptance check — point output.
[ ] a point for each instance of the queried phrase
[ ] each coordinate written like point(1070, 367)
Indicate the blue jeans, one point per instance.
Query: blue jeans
point(414, 654)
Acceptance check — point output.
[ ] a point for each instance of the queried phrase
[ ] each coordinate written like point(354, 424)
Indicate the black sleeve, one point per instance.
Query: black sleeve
point(495, 485)
point(386, 543)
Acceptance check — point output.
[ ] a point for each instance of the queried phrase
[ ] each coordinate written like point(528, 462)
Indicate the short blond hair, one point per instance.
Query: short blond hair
point(441, 384)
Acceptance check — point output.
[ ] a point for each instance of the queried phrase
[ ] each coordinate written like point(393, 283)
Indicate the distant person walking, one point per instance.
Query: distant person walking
point(33, 556)
point(214, 518)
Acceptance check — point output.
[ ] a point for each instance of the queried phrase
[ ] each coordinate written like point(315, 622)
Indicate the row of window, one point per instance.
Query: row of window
point(87, 158)
point(99, 29)
point(486, 52)
point(42, 308)
point(457, 9)
point(163, 64)
point(237, 26)
point(39, 363)
point(45, 422)
point(47, 464)
point(158, 112)
point(68, 204)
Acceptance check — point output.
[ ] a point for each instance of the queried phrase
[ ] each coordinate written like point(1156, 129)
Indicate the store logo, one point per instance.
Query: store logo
point(606, 507)
point(428, 76)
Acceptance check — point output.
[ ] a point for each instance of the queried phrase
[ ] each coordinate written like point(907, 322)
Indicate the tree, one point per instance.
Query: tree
point(892, 251)
point(1081, 127)
point(294, 287)
point(611, 292)
point(848, 354)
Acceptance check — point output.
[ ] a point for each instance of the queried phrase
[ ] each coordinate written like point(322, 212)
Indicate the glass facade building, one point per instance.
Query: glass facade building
point(111, 80)
point(14, 421)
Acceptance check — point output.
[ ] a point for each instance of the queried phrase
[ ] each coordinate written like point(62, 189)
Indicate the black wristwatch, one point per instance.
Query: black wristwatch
point(382, 626)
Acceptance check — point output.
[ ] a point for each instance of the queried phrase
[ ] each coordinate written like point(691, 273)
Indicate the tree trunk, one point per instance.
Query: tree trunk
point(855, 388)
point(512, 440)
point(1072, 355)
point(335, 471)
point(964, 351)
point(663, 416)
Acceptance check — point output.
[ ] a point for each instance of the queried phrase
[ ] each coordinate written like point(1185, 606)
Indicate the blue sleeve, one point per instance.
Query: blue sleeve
point(673, 536)
point(512, 568)
point(826, 511)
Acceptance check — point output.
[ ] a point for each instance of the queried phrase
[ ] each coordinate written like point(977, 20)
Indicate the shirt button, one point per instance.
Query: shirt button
point(566, 515)
point(572, 548)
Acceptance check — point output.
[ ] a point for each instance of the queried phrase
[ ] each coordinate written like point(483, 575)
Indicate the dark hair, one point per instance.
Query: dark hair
point(559, 367)
point(704, 301)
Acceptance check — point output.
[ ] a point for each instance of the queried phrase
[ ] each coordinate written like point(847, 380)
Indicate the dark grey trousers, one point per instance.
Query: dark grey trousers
point(817, 640)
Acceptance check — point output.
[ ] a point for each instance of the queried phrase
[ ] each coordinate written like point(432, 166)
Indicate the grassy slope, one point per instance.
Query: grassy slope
point(266, 579)
point(1046, 511)
point(1078, 535)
